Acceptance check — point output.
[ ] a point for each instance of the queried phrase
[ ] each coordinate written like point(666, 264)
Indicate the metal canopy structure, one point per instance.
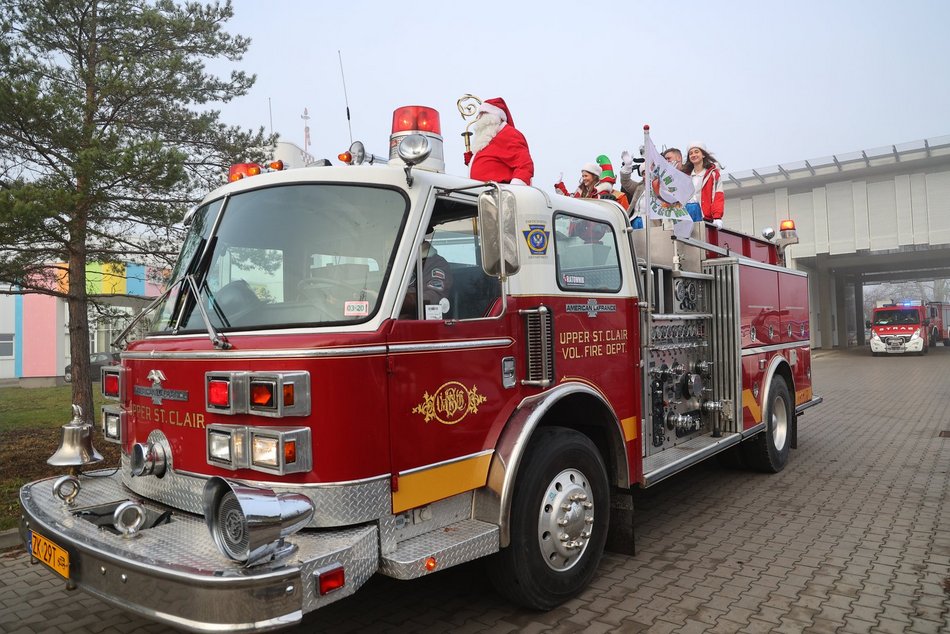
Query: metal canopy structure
point(864, 217)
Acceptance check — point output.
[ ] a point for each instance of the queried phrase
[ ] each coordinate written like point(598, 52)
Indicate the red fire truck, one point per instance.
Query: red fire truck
point(901, 328)
point(305, 413)
point(939, 315)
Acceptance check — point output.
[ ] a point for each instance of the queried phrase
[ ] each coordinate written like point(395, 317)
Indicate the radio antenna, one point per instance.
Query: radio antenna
point(345, 98)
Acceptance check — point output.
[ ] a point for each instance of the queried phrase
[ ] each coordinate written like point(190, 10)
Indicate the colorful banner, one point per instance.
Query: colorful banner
point(671, 190)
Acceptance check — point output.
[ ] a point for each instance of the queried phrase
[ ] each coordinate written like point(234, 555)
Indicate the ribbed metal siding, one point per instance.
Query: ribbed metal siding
point(725, 340)
point(539, 334)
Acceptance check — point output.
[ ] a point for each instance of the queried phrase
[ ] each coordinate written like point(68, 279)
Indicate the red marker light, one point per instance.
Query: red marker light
point(262, 394)
point(787, 225)
point(346, 157)
point(110, 384)
point(290, 452)
point(331, 580)
point(219, 393)
point(416, 119)
point(288, 395)
point(276, 165)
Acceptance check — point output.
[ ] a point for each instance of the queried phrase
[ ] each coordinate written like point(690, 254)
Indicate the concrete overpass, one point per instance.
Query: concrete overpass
point(863, 217)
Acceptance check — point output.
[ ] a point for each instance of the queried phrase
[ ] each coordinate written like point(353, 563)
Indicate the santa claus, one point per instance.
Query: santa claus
point(500, 152)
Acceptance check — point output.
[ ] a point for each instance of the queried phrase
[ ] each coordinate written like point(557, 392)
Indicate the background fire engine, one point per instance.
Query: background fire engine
point(290, 426)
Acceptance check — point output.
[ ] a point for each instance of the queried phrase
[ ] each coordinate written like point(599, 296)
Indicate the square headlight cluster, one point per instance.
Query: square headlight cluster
point(275, 450)
point(111, 423)
point(273, 394)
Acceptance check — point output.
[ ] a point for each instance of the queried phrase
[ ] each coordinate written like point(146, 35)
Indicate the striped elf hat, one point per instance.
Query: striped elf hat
point(607, 170)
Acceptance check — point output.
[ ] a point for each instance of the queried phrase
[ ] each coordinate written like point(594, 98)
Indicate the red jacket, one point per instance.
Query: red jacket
point(712, 200)
point(504, 158)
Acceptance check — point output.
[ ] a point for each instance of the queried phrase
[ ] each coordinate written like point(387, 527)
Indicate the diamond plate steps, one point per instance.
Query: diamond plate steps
point(454, 544)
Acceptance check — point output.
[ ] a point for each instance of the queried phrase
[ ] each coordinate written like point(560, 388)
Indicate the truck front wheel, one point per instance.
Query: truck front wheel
point(559, 518)
point(768, 451)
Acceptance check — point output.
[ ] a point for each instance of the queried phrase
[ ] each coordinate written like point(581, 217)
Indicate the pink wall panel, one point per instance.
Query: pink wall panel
point(39, 336)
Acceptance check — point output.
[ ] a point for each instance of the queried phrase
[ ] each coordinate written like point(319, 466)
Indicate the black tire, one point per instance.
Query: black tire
point(540, 569)
point(768, 451)
point(68, 376)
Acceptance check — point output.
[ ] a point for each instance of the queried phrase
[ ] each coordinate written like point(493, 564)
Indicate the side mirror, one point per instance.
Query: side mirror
point(867, 323)
point(497, 233)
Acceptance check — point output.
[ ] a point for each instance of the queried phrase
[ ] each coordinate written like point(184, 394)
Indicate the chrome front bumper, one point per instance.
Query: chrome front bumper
point(174, 573)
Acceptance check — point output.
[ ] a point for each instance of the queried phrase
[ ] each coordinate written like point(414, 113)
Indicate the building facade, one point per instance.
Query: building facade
point(34, 328)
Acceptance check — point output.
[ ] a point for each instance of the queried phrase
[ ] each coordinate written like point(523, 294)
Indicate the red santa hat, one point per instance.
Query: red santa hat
point(497, 107)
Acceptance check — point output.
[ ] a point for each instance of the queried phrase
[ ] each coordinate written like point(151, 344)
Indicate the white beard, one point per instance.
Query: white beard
point(486, 127)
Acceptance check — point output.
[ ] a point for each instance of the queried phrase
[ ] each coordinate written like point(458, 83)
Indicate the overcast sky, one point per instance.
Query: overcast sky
point(760, 83)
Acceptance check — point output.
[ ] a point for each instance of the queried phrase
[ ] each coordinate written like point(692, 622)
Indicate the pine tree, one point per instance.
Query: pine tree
point(107, 136)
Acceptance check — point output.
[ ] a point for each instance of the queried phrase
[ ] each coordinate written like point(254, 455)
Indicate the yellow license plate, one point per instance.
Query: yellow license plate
point(51, 554)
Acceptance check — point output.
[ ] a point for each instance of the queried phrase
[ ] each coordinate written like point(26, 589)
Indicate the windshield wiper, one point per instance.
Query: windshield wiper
point(217, 340)
point(119, 342)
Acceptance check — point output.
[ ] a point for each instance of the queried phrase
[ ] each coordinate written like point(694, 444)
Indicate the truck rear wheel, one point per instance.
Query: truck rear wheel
point(559, 518)
point(768, 451)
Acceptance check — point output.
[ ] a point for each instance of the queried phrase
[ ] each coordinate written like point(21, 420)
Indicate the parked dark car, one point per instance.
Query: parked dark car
point(96, 361)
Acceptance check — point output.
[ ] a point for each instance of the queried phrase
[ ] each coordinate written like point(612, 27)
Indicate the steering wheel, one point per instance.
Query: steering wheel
point(236, 299)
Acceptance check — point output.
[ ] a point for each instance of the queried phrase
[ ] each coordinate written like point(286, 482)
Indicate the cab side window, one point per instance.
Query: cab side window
point(587, 255)
point(453, 283)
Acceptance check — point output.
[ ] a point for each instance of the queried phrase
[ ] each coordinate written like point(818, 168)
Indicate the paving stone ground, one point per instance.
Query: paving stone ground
point(853, 536)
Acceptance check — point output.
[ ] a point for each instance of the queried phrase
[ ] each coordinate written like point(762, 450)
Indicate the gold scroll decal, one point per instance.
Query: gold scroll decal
point(450, 404)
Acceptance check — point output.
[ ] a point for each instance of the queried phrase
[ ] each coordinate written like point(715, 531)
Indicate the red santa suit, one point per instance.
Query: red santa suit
point(506, 157)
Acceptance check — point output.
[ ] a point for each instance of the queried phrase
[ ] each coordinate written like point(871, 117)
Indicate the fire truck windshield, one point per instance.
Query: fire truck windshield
point(897, 317)
point(287, 256)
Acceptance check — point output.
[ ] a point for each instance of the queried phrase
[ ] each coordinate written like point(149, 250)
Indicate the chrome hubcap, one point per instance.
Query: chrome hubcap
point(565, 520)
point(779, 423)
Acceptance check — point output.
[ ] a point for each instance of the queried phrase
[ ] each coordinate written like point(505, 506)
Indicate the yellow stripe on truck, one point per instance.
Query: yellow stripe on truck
point(748, 401)
point(440, 481)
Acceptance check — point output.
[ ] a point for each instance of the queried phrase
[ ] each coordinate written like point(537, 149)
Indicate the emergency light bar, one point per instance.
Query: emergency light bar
point(243, 170)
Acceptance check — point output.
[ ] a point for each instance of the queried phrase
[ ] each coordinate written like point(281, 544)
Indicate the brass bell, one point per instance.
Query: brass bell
point(76, 448)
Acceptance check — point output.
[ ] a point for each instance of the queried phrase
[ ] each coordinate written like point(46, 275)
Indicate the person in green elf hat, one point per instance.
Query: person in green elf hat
point(608, 179)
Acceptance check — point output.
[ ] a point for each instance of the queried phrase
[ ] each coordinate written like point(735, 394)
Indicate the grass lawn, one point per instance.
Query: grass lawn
point(30, 422)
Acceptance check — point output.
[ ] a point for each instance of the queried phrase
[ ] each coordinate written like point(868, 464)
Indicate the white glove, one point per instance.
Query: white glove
point(717, 223)
point(517, 181)
point(626, 162)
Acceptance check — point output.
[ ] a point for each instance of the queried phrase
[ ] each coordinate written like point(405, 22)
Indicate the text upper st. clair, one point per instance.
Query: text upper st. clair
point(169, 416)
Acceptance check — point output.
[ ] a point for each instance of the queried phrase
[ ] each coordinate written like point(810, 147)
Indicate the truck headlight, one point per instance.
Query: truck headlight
point(264, 451)
point(916, 335)
point(276, 450)
point(226, 446)
point(112, 423)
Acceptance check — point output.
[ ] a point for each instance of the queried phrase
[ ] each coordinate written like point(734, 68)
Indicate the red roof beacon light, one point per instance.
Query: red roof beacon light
point(418, 120)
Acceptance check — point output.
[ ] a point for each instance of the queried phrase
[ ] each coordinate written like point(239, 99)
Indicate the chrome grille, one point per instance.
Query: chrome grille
point(724, 337)
point(539, 336)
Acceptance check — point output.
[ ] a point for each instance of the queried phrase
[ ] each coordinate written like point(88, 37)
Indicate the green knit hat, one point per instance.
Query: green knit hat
point(607, 170)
